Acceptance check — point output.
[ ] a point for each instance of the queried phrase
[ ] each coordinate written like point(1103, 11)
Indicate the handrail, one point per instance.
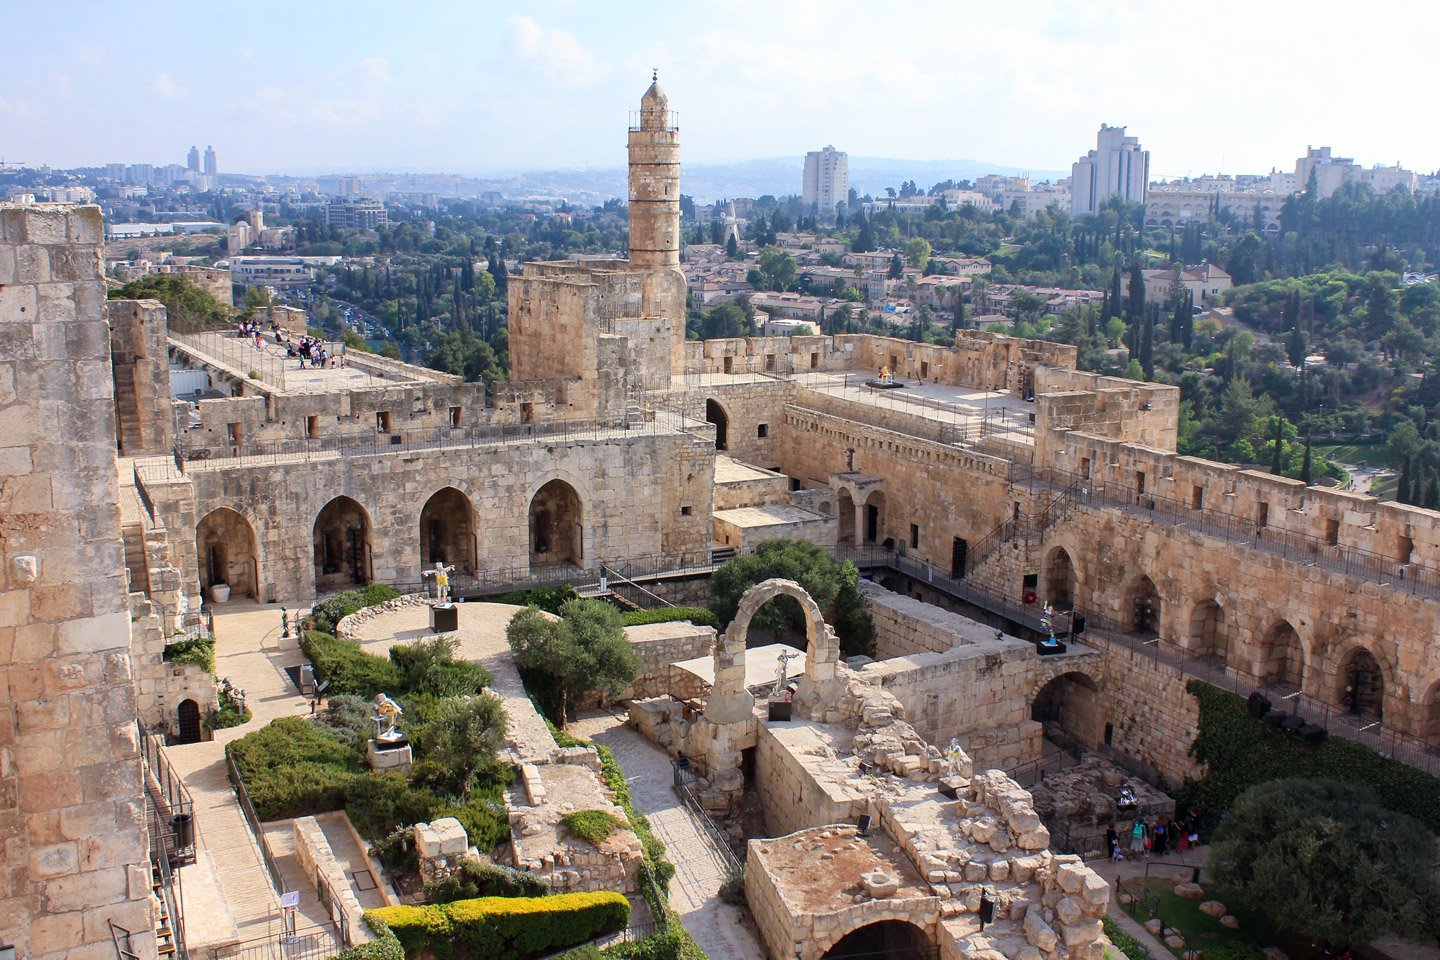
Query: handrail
point(174, 905)
point(277, 882)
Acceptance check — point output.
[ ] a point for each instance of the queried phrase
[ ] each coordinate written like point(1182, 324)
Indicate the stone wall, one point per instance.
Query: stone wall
point(659, 645)
point(72, 817)
point(140, 367)
point(793, 784)
point(319, 864)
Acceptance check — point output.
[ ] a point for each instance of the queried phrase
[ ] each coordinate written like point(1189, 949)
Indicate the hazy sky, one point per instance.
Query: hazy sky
point(325, 85)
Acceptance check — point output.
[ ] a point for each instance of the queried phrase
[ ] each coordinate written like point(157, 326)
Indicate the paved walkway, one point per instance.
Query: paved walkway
point(723, 932)
point(227, 893)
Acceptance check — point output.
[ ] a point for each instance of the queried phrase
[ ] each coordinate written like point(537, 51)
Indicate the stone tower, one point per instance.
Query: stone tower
point(655, 184)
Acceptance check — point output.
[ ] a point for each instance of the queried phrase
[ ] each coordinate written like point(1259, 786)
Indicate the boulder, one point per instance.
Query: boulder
point(1154, 925)
point(1175, 942)
point(1189, 891)
point(1230, 921)
point(1213, 908)
point(1039, 933)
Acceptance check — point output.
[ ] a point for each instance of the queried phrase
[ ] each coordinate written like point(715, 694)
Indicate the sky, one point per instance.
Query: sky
point(311, 86)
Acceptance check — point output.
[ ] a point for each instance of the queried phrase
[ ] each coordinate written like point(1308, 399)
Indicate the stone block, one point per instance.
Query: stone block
point(1040, 934)
point(445, 837)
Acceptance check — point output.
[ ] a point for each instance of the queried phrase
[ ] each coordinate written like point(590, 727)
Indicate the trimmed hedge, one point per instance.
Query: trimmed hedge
point(504, 928)
point(294, 768)
point(672, 943)
point(348, 668)
point(1239, 752)
point(549, 599)
point(700, 616)
point(384, 947)
point(330, 611)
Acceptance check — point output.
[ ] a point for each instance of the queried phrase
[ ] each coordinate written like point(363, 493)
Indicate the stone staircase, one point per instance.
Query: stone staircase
point(999, 562)
point(164, 931)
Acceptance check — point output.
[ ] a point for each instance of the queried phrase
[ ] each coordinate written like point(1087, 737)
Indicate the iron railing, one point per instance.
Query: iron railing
point(311, 943)
point(173, 901)
point(177, 803)
point(684, 780)
point(124, 950)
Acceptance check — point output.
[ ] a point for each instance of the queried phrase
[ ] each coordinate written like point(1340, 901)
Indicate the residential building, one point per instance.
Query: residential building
point(210, 165)
point(827, 179)
point(1203, 283)
point(1117, 167)
point(356, 214)
point(192, 159)
point(1176, 204)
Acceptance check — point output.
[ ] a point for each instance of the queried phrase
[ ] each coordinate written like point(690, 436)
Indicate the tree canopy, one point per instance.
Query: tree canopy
point(585, 651)
point(1326, 860)
point(187, 306)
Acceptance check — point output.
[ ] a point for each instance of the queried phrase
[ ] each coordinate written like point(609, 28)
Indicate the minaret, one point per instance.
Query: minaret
point(655, 183)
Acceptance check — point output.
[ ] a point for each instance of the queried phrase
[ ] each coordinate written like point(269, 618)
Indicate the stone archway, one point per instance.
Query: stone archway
point(225, 552)
point(1362, 684)
point(1141, 608)
point(1209, 632)
point(715, 413)
point(1060, 578)
point(880, 938)
point(822, 648)
point(557, 533)
point(1282, 660)
point(1069, 706)
point(845, 515)
point(447, 531)
point(875, 517)
point(342, 546)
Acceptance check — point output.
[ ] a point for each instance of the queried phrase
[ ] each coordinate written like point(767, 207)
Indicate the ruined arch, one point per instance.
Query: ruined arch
point(447, 531)
point(845, 515)
point(1209, 633)
point(821, 645)
point(1059, 578)
point(1069, 706)
point(342, 545)
point(1362, 683)
point(1142, 606)
point(1282, 658)
point(226, 552)
point(556, 522)
point(878, 938)
point(715, 413)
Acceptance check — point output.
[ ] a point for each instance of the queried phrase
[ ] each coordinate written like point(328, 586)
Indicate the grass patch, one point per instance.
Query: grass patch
point(700, 616)
point(1200, 930)
point(1371, 454)
point(593, 826)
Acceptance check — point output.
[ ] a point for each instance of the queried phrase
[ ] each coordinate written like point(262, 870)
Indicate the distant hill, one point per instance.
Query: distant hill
point(778, 176)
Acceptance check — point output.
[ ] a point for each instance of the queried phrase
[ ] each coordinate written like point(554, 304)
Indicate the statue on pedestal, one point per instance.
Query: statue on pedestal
point(781, 673)
point(387, 714)
point(441, 573)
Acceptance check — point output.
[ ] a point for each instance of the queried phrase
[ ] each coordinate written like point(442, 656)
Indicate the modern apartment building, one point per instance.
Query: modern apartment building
point(1116, 167)
point(827, 179)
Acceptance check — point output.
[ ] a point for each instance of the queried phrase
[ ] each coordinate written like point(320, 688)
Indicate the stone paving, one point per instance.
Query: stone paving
point(724, 932)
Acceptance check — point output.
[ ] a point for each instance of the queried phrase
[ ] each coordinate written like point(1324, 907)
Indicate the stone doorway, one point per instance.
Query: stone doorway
point(1069, 707)
point(1281, 660)
point(1060, 579)
point(188, 722)
point(226, 554)
point(714, 413)
point(845, 516)
point(1363, 692)
point(1209, 633)
point(342, 546)
point(1142, 606)
point(556, 531)
point(890, 939)
point(874, 512)
point(447, 531)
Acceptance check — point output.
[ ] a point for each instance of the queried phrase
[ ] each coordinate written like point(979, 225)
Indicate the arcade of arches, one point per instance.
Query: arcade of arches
point(1209, 633)
point(225, 548)
point(556, 533)
point(342, 546)
point(1282, 661)
point(447, 531)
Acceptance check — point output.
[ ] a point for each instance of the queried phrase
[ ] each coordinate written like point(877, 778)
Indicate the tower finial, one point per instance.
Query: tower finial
point(654, 74)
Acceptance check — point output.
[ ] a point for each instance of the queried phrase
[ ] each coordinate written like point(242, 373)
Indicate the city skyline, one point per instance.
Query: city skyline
point(458, 89)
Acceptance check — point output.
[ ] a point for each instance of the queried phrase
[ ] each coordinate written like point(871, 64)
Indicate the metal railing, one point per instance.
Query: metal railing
point(277, 882)
point(684, 781)
point(172, 902)
point(166, 839)
point(311, 943)
point(121, 938)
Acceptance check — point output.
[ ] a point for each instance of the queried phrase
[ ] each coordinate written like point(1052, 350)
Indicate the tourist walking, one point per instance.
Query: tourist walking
point(1139, 840)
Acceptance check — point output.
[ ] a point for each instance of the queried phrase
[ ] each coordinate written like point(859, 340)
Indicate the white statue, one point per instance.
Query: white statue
point(441, 573)
point(781, 671)
point(387, 713)
point(954, 756)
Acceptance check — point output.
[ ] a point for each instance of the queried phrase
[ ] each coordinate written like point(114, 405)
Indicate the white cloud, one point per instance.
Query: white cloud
point(16, 107)
point(557, 52)
point(374, 69)
point(165, 87)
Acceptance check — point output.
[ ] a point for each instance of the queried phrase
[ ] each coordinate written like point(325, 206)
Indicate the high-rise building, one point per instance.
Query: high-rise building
point(210, 161)
point(827, 179)
point(1117, 167)
point(192, 159)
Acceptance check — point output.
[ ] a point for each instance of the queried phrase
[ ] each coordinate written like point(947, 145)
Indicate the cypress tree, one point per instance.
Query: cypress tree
point(1275, 459)
point(1147, 343)
point(1306, 466)
point(1402, 486)
point(1114, 301)
point(1432, 493)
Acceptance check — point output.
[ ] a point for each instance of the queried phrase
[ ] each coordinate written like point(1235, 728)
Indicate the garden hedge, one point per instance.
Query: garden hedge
point(293, 768)
point(503, 928)
point(348, 668)
point(330, 611)
point(1239, 752)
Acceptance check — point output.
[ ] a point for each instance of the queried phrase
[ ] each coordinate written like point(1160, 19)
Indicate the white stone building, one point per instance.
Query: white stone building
point(827, 179)
point(1116, 167)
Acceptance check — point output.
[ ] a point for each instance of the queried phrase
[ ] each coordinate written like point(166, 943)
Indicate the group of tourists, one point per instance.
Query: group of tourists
point(1155, 836)
point(311, 351)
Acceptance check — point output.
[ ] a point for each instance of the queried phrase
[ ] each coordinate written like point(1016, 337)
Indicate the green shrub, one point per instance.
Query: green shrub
point(294, 768)
point(1239, 752)
point(330, 611)
point(429, 666)
point(593, 826)
point(380, 803)
point(699, 616)
point(397, 851)
point(474, 880)
point(504, 928)
point(348, 668)
point(1234, 950)
point(347, 717)
point(549, 599)
point(1132, 948)
point(483, 815)
point(671, 943)
point(384, 947)
point(231, 713)
point(197, 650)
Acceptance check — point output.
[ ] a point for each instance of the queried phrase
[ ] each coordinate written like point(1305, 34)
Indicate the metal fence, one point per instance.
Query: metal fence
point(310, 943)
point(175, 832)
point(685, 780)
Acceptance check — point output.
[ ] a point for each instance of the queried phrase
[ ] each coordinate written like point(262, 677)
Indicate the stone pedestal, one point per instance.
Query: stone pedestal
point(385, 755)
point(445, 618)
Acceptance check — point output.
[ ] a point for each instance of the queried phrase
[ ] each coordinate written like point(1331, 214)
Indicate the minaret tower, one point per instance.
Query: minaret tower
point(655, 183)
